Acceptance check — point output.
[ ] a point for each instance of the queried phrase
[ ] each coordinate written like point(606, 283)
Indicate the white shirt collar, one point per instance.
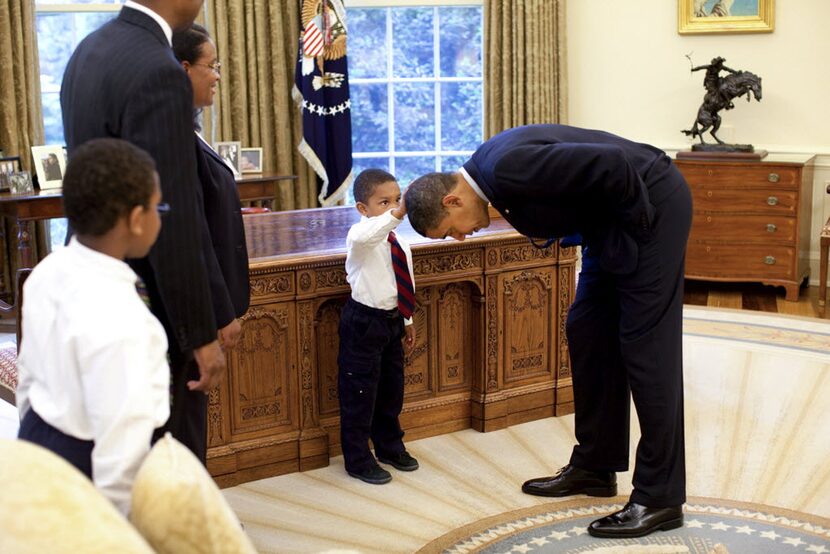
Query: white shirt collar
point(104, 262)
point(473, 184)
point(165, 26)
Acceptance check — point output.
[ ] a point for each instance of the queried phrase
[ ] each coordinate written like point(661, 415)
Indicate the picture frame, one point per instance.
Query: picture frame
point(21, 183)
point(696, 17)
point(50, 165)
point(250, 160)
point(8, 166)
point(229, 151)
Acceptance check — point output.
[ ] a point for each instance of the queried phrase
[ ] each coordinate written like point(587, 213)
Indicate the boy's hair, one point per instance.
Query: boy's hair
point(367, 181)
point(105, 179)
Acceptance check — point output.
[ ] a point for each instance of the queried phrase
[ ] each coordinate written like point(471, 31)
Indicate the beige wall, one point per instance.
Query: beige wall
point(628, 74)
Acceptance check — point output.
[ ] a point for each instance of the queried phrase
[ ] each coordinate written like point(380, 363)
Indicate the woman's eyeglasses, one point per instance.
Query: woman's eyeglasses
point(215, 66)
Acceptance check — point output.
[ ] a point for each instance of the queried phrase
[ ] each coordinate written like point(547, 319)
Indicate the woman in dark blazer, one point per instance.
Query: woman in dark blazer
point(229, 271)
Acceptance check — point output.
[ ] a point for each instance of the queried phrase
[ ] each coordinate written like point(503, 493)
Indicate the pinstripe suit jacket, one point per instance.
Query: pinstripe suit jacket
point(123, 81)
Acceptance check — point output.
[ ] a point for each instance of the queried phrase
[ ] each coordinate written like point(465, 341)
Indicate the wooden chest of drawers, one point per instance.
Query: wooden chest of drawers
point(751, 220)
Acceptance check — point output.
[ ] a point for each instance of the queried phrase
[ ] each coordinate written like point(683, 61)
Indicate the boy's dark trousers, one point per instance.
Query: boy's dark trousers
point(370, 383)
point(75, 451)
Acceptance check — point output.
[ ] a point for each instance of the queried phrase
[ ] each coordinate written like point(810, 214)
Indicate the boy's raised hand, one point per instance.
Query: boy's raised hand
point(400, 211)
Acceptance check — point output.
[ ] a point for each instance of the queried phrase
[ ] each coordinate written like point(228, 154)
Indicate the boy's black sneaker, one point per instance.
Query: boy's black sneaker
point(402, 461)
point(374, 475)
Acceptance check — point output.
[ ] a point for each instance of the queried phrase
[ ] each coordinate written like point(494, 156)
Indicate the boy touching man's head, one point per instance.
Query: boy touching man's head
point(376, 192)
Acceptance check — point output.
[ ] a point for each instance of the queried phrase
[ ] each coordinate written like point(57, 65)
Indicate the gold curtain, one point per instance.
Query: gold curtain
point(21, 125)
point(257, 43)
point(524, 53)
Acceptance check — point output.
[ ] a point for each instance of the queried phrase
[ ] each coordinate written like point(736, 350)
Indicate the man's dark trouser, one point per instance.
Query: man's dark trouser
point(625, 333)
point(370, 383)
point(188, 410)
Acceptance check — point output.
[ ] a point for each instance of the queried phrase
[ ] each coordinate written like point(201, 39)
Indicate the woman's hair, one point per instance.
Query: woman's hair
point(187, 43)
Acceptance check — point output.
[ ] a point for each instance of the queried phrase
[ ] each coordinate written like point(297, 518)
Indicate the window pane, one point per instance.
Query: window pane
point(410, 168)
point(461, 115)
point(52, 122)
point(370, 117)
point(452, 163)
point(367, 42)
point(460, 36)
point(412, 40)
point(414, 116)
point(58, 35)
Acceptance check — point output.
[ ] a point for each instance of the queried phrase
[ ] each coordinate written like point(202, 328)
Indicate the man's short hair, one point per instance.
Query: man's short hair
point(424, 198)
point(105, 179)
point(367, 182)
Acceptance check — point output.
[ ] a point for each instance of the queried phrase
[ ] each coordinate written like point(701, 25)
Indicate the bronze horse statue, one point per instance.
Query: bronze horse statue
point(729, 87)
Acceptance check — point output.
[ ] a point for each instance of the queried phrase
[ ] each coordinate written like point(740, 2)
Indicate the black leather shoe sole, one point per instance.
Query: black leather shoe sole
point(382, 480)
point(399, 466)
point(604, 492)
point(634, 533)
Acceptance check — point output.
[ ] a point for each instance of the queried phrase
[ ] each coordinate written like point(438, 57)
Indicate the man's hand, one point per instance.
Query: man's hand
point(229, 335)
point(211, 361)
point(409, 338)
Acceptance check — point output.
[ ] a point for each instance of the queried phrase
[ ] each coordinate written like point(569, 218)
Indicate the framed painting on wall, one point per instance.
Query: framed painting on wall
point(725, 16)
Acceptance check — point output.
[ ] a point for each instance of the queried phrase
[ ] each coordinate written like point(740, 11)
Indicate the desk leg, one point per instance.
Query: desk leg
point(24, 243)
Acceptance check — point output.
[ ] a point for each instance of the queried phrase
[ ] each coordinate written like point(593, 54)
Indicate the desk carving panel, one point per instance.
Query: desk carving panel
point(490, 351)
point(751, 220)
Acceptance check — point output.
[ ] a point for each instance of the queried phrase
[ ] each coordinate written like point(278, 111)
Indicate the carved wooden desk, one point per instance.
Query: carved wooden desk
point(26, 208)
point(490, 349)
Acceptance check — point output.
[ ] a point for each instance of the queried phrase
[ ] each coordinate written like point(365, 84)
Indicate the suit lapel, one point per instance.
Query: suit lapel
point(206, 148)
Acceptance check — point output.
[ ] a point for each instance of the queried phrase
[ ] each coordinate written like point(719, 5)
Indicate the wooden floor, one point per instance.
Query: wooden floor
point(751, 296)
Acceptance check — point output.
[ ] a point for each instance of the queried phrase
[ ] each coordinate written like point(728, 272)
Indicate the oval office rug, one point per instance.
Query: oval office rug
point(711, 526)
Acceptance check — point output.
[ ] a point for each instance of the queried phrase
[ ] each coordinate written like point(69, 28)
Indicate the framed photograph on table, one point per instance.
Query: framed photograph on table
point(250, 160)
point(50, 165)
point(230, 152)
point(21, 183)
point(725, 16)
point(8, 166)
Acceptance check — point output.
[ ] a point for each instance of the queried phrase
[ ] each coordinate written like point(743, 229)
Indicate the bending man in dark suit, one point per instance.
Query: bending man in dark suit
point(124, 81)
point(632, 209)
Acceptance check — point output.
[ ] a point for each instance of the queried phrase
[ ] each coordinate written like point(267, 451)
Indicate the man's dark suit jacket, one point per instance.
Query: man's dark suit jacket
point(123, 81)
point(554, 180)
point(229, 284)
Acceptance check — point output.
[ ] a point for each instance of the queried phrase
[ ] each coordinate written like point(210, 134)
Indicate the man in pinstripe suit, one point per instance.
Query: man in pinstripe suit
point(124, 81)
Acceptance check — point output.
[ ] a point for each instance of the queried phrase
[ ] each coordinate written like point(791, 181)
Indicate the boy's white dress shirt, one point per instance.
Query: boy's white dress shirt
point(369, 262)
point(93, 361)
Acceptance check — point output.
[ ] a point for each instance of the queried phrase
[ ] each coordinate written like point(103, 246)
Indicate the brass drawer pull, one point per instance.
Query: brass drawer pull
point(771, 228)
point(769, 260)
point(773, 177)
point(772, 200)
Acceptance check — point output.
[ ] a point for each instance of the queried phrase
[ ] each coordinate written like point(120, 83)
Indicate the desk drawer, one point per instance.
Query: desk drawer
point(761, 201)
point(746, 176)
point(762, 228)
point(740, 261)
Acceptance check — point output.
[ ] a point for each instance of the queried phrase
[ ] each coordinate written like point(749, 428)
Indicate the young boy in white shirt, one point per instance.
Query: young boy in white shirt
point(94, 379)
point(374, 322)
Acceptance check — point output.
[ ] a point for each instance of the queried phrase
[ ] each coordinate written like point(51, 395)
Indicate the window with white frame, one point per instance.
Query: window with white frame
point(415, 78)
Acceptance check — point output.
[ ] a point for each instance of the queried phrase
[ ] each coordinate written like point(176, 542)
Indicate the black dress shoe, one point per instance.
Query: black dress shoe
point(636, 520)
point(402, 461)
point(374, 475)
point(571, 480)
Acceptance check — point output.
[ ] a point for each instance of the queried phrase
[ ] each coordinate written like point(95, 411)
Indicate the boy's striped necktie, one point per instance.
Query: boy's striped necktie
point(406, 292)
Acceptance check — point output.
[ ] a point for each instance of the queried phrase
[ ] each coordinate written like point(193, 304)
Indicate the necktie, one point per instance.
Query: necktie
point(406, 292)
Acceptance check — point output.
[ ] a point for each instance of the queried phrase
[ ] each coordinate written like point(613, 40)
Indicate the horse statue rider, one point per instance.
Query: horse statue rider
point(719, 94)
